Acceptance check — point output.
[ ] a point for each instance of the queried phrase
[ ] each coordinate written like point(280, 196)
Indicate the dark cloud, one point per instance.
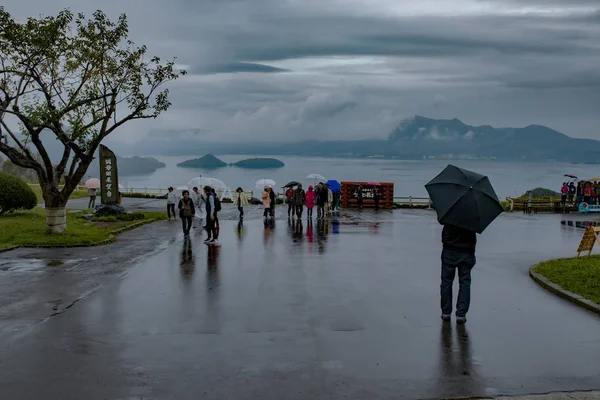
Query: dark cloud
point(236, 67)
point(283, 70)
point(581, 80)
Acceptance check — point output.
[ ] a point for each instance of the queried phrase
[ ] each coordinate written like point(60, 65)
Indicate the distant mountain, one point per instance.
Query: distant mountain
point(206, 162)
point(440, 137)
point(259, 163)
point(419, 138)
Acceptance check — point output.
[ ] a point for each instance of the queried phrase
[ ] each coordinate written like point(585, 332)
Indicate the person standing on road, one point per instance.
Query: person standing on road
point(458, 254)
point(92, 194)
point(186, 212)
point(266, 201)
point(310, 202)
point(299, 199)
point(240, 201)
point(572, 192)
point(321, 194)
point(171, 201)
point(376, 197)
point(289, 198)
point(564, 192)
point(210, 217)
point(359, 197)
point(273, 202)
point(217, 209)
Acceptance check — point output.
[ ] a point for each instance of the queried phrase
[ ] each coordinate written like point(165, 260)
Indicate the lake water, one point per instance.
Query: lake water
point(409, 177)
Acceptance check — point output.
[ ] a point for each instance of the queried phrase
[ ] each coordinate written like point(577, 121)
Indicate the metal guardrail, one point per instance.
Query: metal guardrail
point(410, 201)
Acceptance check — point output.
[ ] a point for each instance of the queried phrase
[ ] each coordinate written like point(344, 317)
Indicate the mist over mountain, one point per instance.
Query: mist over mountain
point(414, 138)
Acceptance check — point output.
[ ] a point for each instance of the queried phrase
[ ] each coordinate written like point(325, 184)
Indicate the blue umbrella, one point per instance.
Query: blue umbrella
point(334, 185)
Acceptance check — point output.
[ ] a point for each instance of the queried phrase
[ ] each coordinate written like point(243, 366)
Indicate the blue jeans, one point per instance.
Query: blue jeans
point(463, 262)
point(187, 224)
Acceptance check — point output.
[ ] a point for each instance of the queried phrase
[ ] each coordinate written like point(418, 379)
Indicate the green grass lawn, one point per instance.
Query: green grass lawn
point(28, 228)
point(77, 194)
point(577, 275)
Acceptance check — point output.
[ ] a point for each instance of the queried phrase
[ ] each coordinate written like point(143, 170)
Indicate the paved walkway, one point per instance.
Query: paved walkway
point(347, 309)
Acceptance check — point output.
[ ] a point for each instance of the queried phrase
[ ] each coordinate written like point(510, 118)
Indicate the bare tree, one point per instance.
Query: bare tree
point(78, 78)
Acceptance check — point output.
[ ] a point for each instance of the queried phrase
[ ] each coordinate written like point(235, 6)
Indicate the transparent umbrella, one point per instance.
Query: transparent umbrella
point(316, 177)
point(92, 183)
point(205, 181)
point(262, 183)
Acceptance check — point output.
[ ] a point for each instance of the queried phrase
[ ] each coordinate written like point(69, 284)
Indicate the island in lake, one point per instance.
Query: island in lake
point(206, 162)
point(259, 163)
point(131, 166)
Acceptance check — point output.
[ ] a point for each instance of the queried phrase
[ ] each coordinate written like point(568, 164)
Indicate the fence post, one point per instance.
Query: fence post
point(410, 202)
point(429, 202)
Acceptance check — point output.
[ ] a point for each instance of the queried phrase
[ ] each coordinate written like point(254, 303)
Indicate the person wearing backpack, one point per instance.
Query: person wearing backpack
point(186, 212)
point(211, 215)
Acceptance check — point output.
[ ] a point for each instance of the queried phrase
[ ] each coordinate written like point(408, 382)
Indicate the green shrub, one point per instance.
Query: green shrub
point(15, 194)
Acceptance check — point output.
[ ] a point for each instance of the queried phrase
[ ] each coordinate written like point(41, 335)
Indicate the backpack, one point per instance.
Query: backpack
point(217, 203)
point(186, 210)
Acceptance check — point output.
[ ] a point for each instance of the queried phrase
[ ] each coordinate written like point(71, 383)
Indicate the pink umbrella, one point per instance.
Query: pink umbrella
point(373, 183)
point(92, 183)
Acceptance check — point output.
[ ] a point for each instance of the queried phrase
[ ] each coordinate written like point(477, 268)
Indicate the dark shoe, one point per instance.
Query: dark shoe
point(446, 317)
point(461, 320)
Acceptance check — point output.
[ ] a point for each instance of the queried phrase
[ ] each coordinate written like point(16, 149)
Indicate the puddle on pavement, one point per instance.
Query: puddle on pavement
point(33, 264)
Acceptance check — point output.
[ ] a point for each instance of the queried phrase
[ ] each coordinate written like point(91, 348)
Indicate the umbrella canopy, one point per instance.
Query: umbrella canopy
point(374, 183)
point(206, 181)
point(315, 177)
point(182, 188)
point(571, 176)
point(92, 183)
point(334, 185)
point(292, 183)
point(464, 198)
point(263, 183)
point(592, 179)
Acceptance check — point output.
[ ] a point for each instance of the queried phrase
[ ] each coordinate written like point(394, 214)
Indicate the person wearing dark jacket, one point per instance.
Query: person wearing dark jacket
point(458, 254)
point(289, 198)
point(273, 201)
point(322, 195)
point(186, 212)
point(299, 199)
point(211, 217)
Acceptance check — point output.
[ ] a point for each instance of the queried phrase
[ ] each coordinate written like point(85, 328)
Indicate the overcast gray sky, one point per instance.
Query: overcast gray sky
point(333, 69)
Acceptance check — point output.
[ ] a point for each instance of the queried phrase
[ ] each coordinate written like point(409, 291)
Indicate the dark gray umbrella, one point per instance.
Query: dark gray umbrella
point(292, 183)
point(464, 198)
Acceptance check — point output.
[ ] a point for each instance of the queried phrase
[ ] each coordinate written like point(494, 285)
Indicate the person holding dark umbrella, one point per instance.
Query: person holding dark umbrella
point(466, 204)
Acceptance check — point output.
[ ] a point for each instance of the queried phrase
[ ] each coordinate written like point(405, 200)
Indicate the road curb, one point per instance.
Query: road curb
point(565, 294)
point(9, 249)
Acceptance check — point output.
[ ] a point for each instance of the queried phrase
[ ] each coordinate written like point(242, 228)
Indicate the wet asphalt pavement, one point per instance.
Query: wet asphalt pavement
point(347, 309)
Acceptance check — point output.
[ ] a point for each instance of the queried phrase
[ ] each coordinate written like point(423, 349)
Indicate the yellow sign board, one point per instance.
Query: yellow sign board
point(590, 237)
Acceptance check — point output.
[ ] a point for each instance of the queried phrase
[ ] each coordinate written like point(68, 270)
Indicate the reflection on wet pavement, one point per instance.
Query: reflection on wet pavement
point(346, 307)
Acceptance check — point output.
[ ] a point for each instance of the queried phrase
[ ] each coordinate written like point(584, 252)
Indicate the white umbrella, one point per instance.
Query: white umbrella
point(92, 183)
point(263, 183)
point(182, 188)
point(212, 182)
point(315, 178)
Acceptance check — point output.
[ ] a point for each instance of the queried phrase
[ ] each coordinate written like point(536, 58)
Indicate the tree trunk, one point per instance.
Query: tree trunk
point(56, 214)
